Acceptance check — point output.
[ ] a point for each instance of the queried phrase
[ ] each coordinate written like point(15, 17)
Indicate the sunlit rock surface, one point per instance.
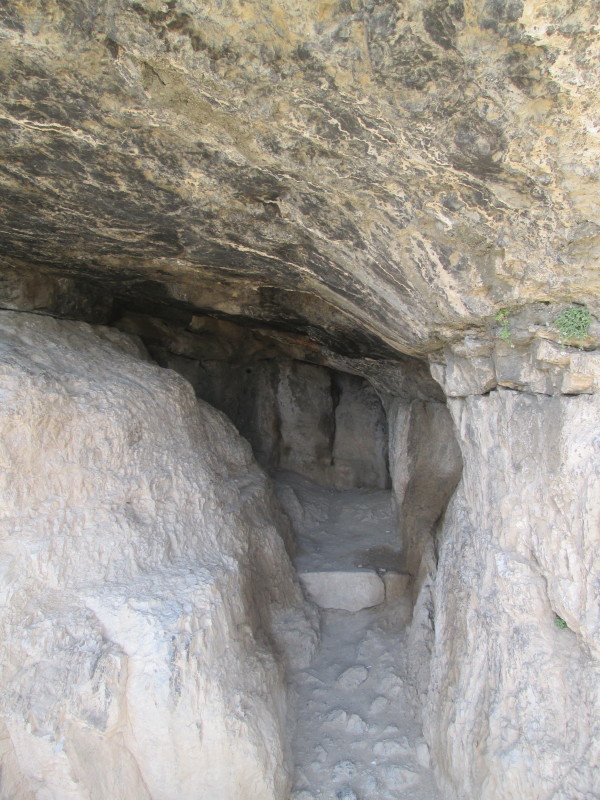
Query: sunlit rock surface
point(375, 174)
point(512, 705)
point(149, 608)
point(365, 180)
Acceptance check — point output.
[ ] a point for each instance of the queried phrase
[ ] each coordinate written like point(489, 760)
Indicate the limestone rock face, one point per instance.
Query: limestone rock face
point(375, 174)
point(425, 463)
point(513, 705)
point(529, 355)
point(370, 181)
point(148, 604)
point(325, 425)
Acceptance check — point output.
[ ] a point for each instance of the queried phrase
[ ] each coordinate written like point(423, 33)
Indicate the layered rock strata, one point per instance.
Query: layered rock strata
point(379, 175)
point(369, 179)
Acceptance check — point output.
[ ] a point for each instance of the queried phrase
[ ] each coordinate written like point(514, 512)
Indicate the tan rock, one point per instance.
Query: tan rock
point(550, 353)
point(131, 520)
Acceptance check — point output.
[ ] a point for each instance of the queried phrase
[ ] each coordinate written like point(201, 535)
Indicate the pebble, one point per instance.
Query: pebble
point(351, 723)
point(353, 677)
point(320, 753)
point(390, 730)
point(344, 770)
point(379, 705)
point(356, 724)
point(390, 749)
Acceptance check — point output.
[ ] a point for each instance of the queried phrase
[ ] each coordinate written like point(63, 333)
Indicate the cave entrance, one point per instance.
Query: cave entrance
point(325, 425)
point(361, 451)
point(322, 435)
point(364, 461)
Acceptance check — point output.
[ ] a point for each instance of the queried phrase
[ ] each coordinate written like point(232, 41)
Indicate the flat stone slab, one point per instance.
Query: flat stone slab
point(347, 590)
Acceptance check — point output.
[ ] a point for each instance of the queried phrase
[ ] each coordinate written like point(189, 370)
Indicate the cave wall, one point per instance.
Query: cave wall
point(511, 698)
point(301, 407)
point(149, 608)
point(326, 425)
point(371, 179)
point(425, 464)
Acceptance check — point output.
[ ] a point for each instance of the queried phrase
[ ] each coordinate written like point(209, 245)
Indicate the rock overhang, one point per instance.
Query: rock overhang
point(377, 177)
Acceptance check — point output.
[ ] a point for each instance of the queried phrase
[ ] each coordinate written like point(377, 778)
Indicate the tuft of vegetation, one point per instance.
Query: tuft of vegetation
point(559, 622)
point(502, 317)
point(573, 323)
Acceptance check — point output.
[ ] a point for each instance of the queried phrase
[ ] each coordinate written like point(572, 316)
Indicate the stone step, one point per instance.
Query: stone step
point(353, 589)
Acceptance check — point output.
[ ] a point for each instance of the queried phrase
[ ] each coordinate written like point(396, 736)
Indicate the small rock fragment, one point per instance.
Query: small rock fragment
point(379, 705)
point(356, 724)
point(390, 749)
point(391, 730)
point(344, 770)
point(349, 590)
point(320, 753)
point(353, 677)
point(423, 754)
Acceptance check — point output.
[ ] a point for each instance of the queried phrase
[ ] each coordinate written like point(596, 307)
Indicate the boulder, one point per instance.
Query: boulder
point(149, 608)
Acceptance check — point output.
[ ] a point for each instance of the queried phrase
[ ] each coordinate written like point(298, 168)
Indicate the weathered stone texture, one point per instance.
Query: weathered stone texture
point(148, 604)
point(346, 591)
point(371, 174)
point(526, 352)
point(366, 179)
point(513, 704)
point(425, 466)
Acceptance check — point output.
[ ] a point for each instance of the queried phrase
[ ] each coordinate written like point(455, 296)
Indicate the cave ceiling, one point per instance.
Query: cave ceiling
point(384, 175)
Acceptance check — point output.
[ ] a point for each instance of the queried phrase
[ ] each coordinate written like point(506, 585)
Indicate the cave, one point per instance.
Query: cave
point(300, 386)
point(316, 421)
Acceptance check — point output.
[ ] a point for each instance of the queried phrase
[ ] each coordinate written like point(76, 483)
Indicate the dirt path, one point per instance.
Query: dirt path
point(357, 735)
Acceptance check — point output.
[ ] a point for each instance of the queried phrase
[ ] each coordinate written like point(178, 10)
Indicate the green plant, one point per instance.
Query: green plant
point(573, 323)
point(559, 622)
point(502, 318)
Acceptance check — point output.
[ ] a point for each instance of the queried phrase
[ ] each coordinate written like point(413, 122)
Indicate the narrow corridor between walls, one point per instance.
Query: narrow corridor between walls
point(356, 734)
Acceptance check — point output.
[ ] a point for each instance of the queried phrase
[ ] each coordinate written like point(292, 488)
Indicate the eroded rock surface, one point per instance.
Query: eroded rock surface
point(378, 175)
point(512, 704)
point(148, 604)
point(368, 180)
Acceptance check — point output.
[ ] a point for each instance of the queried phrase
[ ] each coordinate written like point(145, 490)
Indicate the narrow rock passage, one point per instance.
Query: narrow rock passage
point(357, 736)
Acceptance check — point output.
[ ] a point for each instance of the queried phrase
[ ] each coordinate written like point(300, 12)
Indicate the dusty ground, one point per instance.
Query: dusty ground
point(357, 735)
point(340, 530)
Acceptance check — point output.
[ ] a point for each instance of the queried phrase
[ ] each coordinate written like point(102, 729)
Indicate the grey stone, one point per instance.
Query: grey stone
point(353, 677)
point(138, 534)
point(346, 591)
point(518, 547)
